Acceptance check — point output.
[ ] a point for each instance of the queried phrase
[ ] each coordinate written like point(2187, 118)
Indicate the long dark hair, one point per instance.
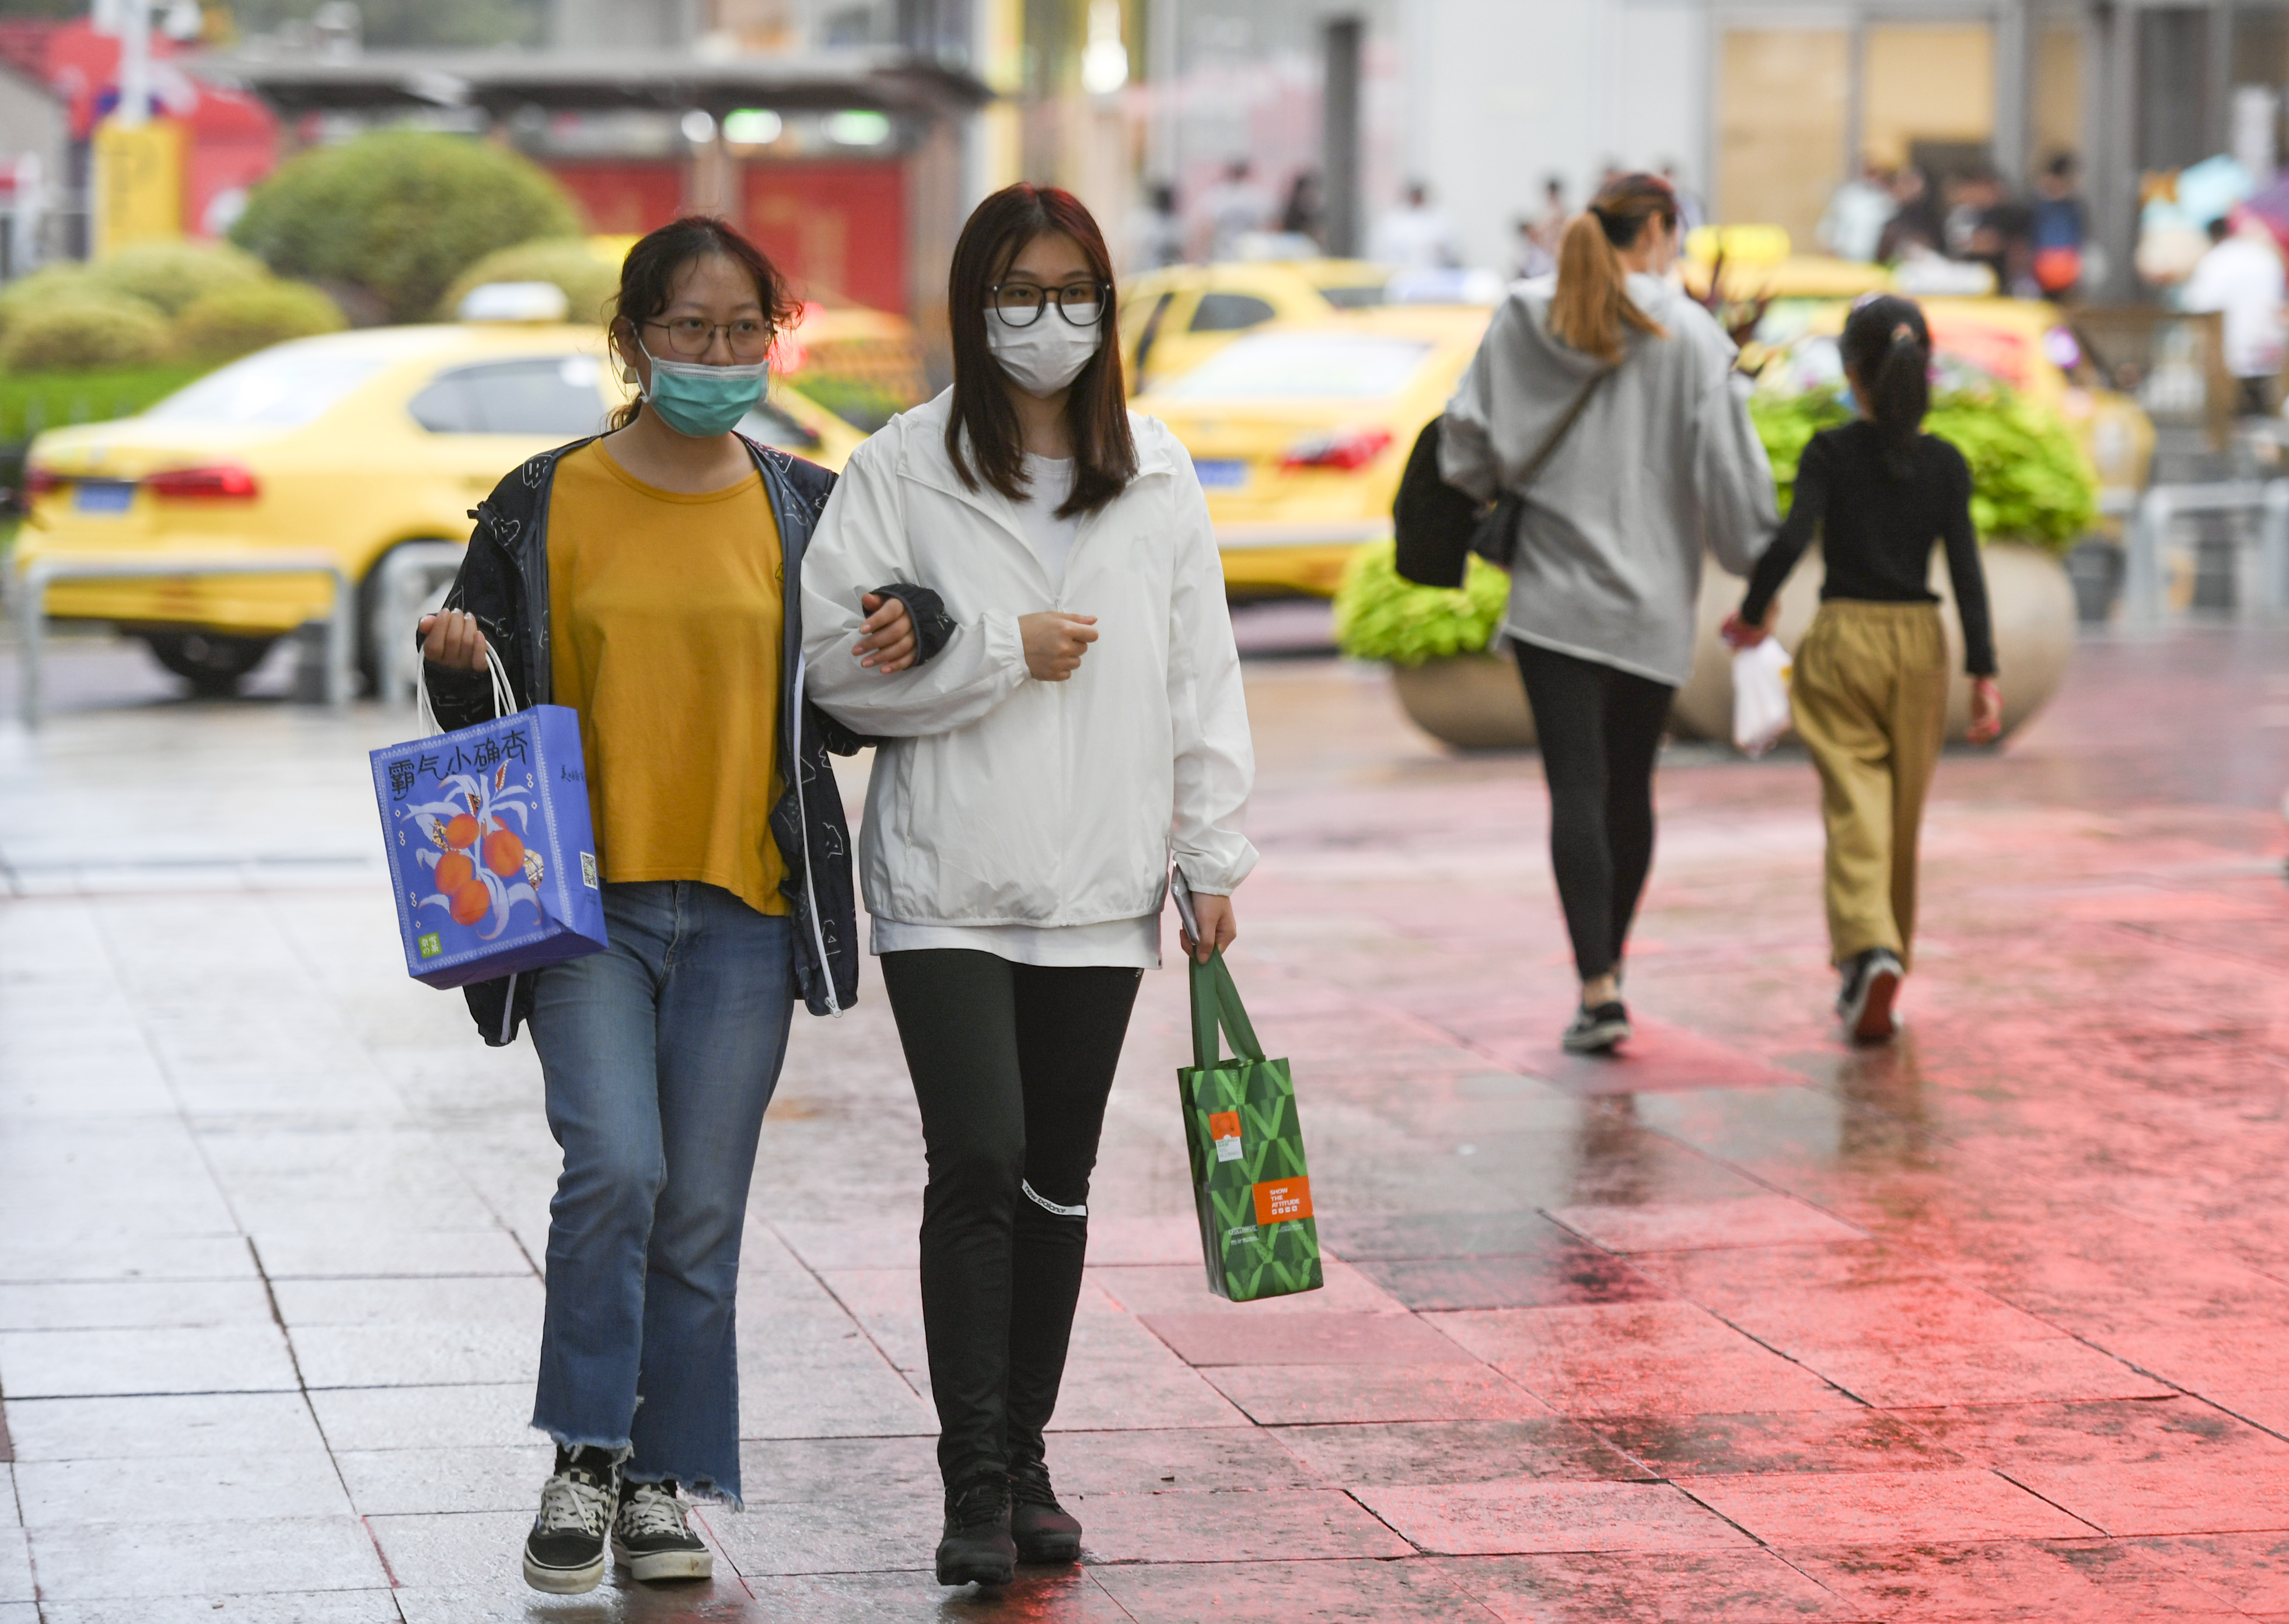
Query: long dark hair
point(1887, 356)
point(648, 280)
point(1592, 305)
point(1097, 410)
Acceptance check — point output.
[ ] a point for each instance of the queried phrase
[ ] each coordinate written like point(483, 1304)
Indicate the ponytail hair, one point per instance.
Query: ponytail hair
point(1591, 310)
point(1887, 356)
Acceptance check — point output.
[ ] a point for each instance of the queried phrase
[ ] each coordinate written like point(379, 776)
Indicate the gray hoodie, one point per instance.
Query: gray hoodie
point(1663, 464)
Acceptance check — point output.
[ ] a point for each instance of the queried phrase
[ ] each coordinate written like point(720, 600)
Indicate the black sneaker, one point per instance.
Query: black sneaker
point(977, 1548)
point(564, 1553)
point(652, 1538)
point(1593, 1032)
point(1044, 1531)
point(1871, 981)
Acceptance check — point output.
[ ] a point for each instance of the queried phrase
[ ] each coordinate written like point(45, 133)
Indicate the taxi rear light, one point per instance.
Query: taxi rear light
point(1352, 448)
point(225, 482)
point(42, 482)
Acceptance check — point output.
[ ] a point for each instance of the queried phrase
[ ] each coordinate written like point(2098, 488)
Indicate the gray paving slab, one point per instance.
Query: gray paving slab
point(118, 1429)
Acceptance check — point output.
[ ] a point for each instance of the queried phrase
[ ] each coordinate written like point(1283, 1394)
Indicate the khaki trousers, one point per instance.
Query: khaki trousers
point(1870, 696)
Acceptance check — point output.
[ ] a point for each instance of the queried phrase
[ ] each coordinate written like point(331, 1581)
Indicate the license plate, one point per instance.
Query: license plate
point(1221, 474)
point(103, 497)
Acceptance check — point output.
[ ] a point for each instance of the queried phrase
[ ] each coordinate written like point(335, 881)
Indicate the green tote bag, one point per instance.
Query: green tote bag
point(1249, 1182)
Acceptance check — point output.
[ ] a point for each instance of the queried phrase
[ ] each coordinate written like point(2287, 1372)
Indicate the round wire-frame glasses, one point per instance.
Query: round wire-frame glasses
point(689, 338)
point(1020, 304)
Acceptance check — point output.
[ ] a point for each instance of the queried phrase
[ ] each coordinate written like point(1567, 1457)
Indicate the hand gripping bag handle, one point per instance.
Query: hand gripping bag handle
point(504, 696)
point(1215, 1003)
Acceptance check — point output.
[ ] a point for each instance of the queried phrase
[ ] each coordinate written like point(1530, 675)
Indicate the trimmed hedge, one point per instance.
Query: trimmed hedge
point(232, 322)
point(85, 331)
point(400, 213)
point(171, 276)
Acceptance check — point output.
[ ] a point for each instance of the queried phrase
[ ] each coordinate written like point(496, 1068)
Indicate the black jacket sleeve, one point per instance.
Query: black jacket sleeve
point(1814, 471)
point(489, 587)
point(1965, 571)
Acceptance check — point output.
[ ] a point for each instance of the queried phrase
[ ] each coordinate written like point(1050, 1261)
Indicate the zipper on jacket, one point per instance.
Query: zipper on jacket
point(791, 734)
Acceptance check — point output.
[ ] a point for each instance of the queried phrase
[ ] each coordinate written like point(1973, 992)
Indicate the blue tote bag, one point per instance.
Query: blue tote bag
point(491, 851)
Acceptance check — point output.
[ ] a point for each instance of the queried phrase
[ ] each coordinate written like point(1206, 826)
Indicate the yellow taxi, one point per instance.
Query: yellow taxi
point(1300, 431)
point(1171, 319)
point(347, 445)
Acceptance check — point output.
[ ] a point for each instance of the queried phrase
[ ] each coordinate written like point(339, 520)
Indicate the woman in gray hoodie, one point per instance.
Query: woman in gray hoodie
point(1659, 465)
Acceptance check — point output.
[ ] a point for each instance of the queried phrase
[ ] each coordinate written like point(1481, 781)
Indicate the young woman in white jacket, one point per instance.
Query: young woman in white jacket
point(1082, 724)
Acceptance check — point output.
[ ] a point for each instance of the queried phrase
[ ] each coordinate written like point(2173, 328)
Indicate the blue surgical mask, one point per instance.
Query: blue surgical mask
point(703, 400)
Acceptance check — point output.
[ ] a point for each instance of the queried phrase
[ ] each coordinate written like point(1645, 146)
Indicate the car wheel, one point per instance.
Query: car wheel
point(213, 665)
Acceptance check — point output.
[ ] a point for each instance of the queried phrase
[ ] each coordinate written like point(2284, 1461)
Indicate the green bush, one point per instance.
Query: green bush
point(30, 402)
point(1381, 614)
point(52, 284)
point(87, 331)
point(171, 276)
point(569, 262)
point(2028, 481)
point(400, 213)
point(232, 322)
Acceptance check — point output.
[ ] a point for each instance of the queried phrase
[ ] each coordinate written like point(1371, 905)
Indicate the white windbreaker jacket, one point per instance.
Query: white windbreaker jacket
point(998, 800)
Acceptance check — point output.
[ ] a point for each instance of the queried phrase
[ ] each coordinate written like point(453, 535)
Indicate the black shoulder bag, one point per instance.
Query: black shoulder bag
point(1437, 527)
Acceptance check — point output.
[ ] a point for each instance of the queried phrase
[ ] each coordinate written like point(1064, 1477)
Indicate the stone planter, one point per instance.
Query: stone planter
point(1470, 701)
point(1475, 701)
point(2030, 596)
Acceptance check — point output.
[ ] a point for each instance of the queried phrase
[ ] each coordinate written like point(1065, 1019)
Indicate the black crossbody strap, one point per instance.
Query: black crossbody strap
point(1557, 436)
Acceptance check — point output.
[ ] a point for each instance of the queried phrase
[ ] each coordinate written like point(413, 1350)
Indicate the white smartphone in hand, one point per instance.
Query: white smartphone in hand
point(1183, 895)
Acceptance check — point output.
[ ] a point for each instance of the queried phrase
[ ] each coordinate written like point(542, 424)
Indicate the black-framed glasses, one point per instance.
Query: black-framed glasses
point(1020, 304)
point(689, 337)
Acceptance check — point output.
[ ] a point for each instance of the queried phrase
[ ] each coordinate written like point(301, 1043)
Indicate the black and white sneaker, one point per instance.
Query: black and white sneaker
point(652, 1537)
point(564, 1553)
point(1593, 1032)
point(1871, 982)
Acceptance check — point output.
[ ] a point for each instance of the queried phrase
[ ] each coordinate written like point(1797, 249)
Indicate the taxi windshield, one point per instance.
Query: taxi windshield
point(1305, 366)
point(279, 388)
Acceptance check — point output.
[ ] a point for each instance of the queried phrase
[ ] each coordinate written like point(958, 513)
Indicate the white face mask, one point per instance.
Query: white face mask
point(1046, 356)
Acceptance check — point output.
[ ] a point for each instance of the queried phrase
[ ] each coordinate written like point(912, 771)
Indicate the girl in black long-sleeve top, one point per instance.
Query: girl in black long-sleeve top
point(1870, 688)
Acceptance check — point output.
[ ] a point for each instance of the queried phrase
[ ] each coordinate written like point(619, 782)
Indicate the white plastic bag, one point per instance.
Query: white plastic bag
point(1761, 696)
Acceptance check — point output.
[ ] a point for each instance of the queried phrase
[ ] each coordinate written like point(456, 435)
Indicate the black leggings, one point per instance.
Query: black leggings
point(1598, 729)
point(1011, 1064)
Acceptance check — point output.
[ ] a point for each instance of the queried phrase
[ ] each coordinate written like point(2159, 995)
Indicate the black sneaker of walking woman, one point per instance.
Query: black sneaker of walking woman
point(564, 1553)
point(1593, 1032)
point(977, 1548)
point(1871, 982)
point(1043, 1531)
point(652, 1537)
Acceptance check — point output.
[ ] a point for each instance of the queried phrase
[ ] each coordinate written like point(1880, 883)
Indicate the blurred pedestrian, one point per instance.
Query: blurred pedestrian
point(1233, 208)
point(1549, 228)
point(1618, 390)
point(1305, 214)
point(1916, 226)
point(1528, 258)
point(2059, 229)
point(1030, 789)
point(1415, 236)
point(1853, 228)
point(1156, 234)
point(725, 891)
point(2241, 278)
point(1689, 211)
point(1869, 690)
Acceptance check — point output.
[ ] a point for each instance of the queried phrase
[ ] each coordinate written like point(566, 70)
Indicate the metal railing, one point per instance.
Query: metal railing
point(2261, 573)
point(407, 578)
point(30, 584)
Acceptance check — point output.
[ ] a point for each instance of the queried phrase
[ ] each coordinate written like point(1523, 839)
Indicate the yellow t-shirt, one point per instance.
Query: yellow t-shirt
point(666, 610)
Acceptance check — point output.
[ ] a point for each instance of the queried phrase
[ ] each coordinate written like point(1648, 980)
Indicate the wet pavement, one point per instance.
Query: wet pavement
point(1746, 1327)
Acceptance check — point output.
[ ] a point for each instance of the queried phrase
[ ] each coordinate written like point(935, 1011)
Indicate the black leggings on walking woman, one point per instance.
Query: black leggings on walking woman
point(1599, 728)
point(1012, 1063)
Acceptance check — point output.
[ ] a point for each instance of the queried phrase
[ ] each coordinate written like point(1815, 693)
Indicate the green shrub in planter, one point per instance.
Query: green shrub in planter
point(172, 276)
point(588, 281)
point(232, 322)
point(53, 284)
point(400, 213)
point(1381, 614)
point(2028, 481)
point(85, 332)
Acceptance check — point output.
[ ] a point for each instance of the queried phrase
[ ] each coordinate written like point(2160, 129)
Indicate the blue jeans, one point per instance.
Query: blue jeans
point(659, 1054)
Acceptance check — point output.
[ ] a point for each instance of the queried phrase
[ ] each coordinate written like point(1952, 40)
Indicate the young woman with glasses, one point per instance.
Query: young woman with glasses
point(1083, 722)
point(649, 580)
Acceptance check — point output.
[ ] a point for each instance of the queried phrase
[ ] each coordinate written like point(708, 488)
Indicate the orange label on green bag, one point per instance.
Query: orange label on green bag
point(1223, 1124)
point(1282, 1201)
